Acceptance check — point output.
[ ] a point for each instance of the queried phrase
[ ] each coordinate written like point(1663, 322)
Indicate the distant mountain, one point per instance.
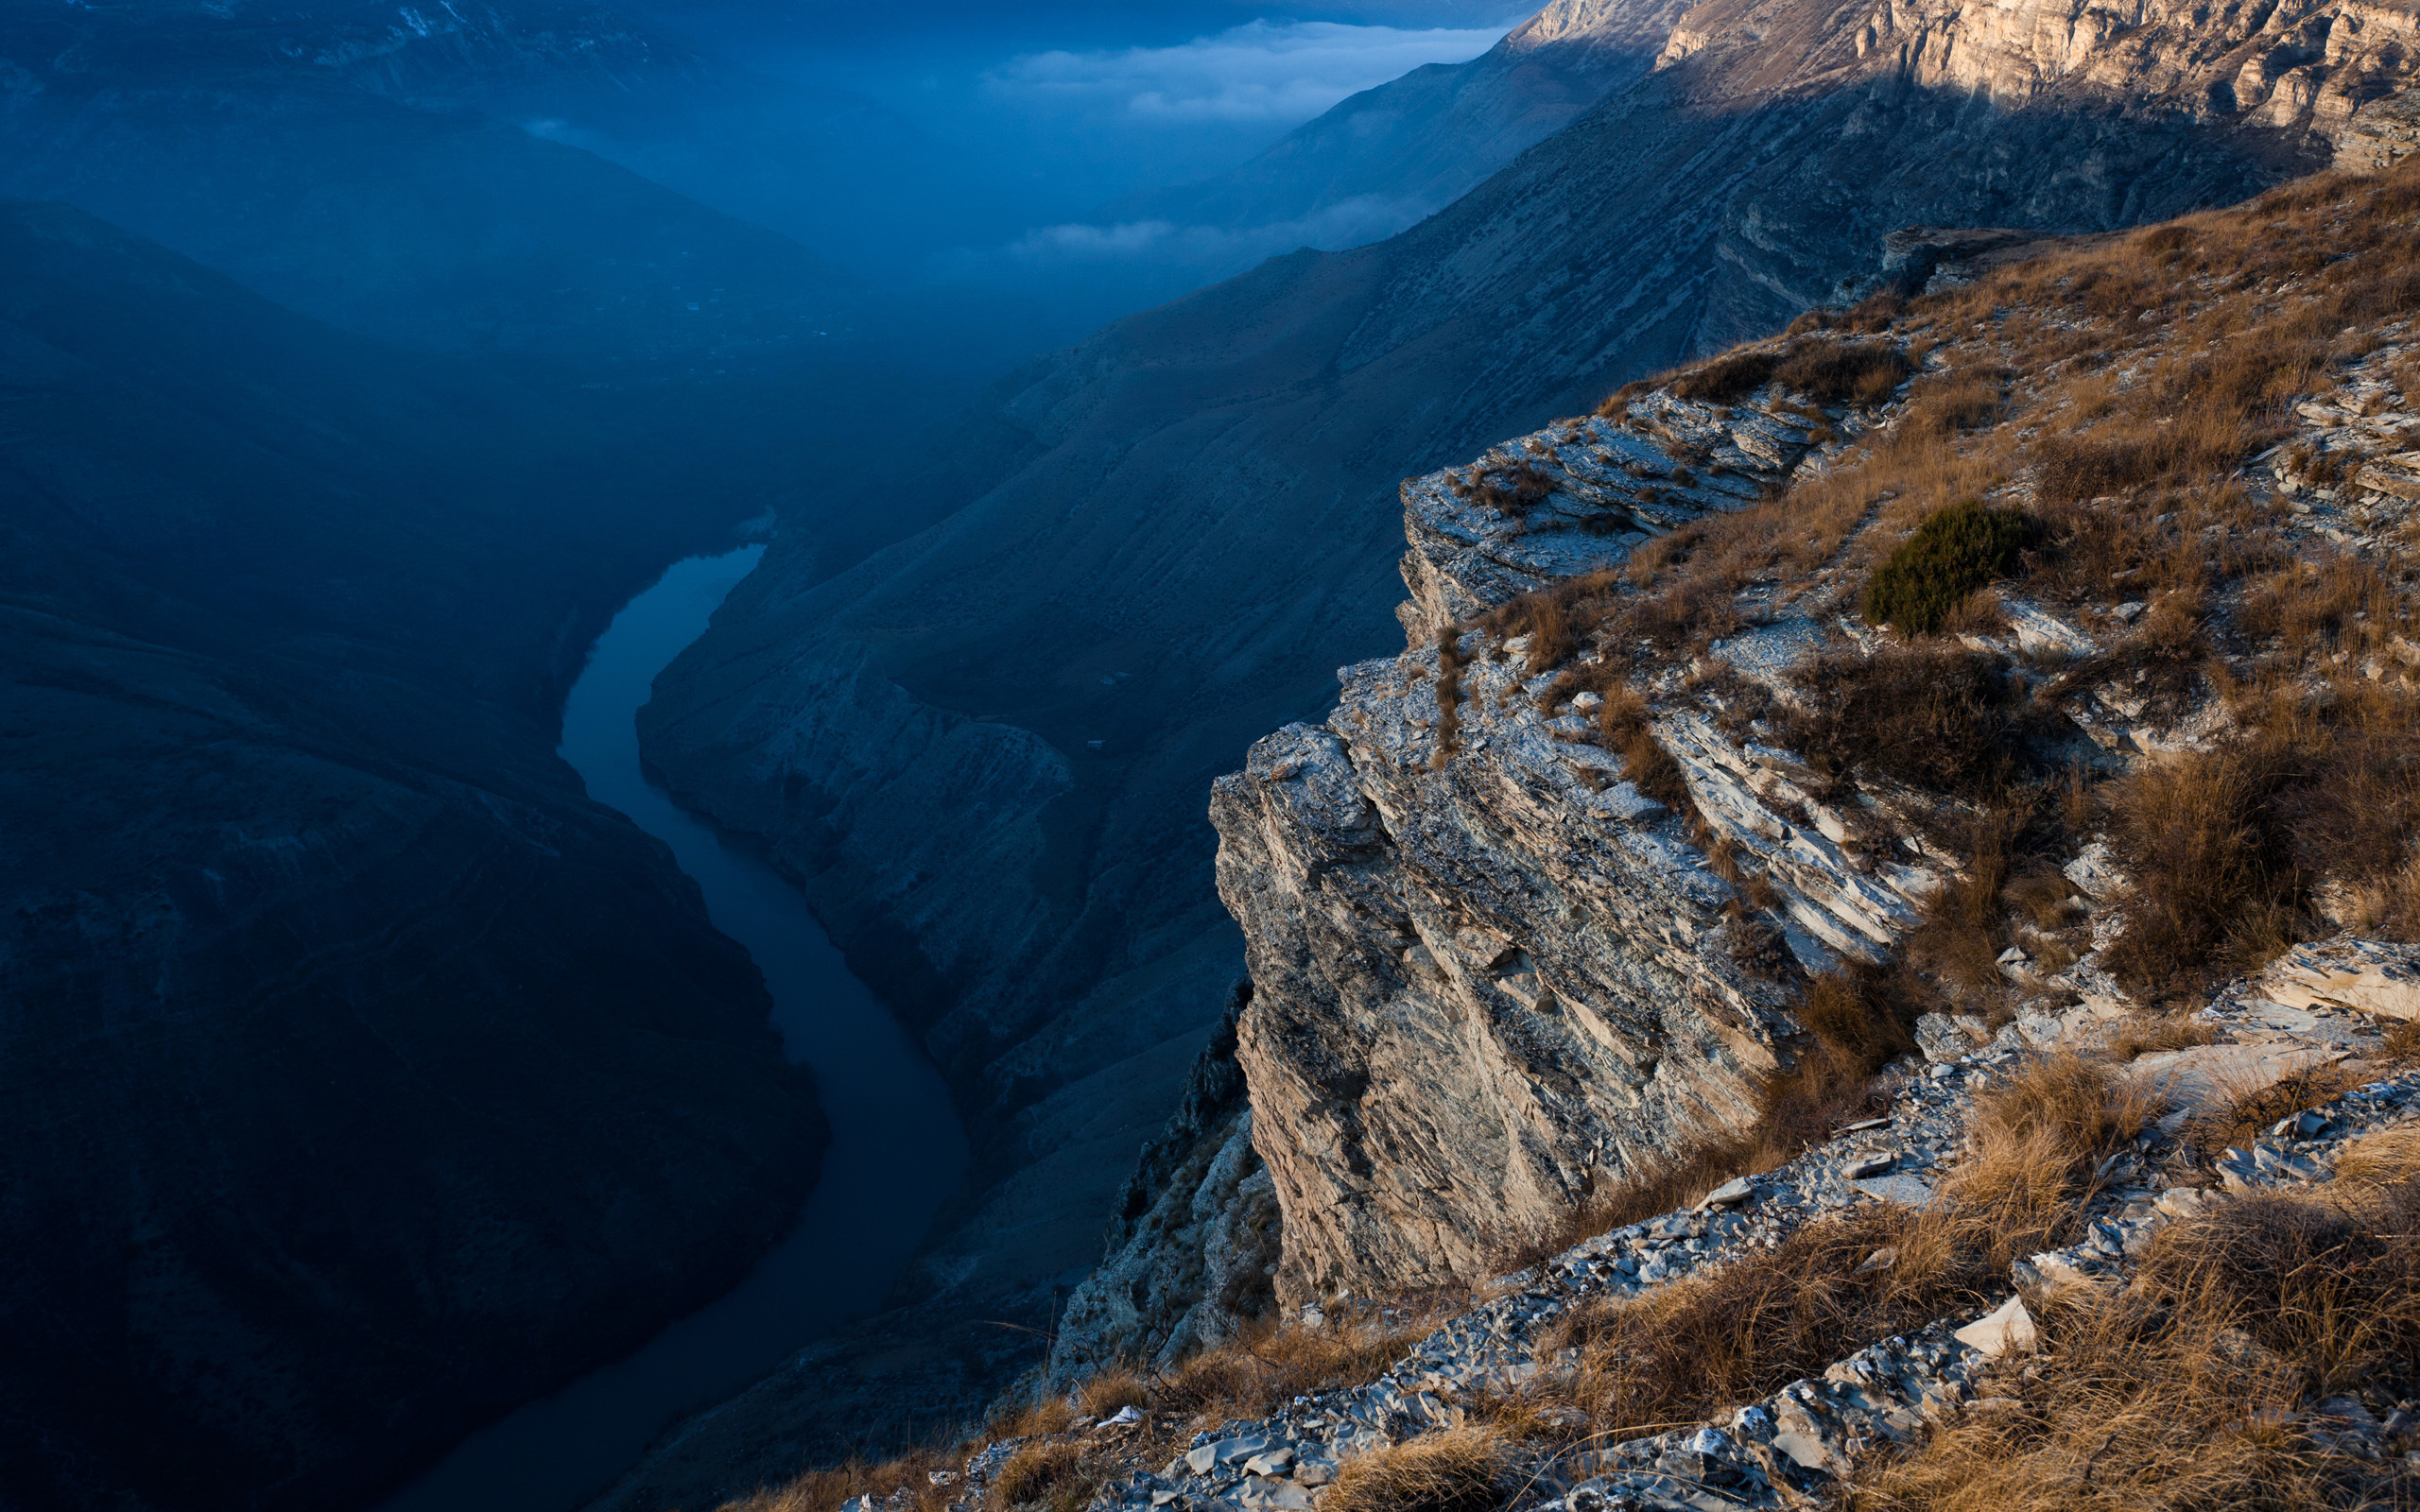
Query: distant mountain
point(985, 751)
point(359, 1078)
point(1386, 156)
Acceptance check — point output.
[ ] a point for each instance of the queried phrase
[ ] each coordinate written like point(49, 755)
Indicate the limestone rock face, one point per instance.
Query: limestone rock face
point(1478, 992)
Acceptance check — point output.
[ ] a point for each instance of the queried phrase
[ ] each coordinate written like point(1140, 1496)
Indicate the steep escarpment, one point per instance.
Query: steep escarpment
point(2010, 688)
point(1189, 519)
point(362, 1078)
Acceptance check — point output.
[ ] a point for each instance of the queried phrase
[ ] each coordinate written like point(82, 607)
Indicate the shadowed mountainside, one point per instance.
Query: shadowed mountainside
point(363, 1079)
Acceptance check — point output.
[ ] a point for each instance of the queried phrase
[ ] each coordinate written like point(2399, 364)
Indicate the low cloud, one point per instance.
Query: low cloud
point(1264, 71)
point(1203, 251)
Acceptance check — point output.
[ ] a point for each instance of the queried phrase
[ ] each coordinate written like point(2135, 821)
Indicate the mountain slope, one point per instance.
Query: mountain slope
point(983, 750)
point(1389, 156)
point(362, 1078)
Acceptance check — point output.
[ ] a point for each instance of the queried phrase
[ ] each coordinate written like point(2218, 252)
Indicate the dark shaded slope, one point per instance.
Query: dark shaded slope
point(362, 1079)
point(1204, 524)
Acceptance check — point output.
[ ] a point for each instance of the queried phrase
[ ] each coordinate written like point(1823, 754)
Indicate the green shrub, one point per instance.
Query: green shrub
point(1953, 553)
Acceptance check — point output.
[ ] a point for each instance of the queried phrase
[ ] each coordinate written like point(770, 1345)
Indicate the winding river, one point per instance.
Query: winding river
point(897, 1147)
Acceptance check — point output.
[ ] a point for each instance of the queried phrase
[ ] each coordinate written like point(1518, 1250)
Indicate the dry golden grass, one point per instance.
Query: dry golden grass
point(2212, 865)
point(2194, 1387)
point(2249, 1111)
point(1449, 695)
point(2144, 1034)
point(1047, 1473)
point(1266, 1366)
point(1467, 1468)
point(1105, 1392)
point(1683, 1353)
point(823, 1490)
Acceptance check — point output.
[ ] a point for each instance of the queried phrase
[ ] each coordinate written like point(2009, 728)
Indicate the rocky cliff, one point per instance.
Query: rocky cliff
point(1864, 952)
point(1491, 973)
point(982, 751)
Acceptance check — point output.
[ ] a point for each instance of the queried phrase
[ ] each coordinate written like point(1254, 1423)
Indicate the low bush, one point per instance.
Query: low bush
point(1727, 379)
point(1858, 1020)
point(2215, 883)
point(1106, 1391)
point(1048, 1472)
point(1956, 551)
point(1932, 717)
point(1835, 373)
point(1264, 1367)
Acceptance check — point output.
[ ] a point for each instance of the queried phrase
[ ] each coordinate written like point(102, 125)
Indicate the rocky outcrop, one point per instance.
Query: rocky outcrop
point(1491, 974)
point(1801, 1446)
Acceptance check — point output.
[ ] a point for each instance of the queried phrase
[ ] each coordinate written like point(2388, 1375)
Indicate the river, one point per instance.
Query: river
point(897, 1147)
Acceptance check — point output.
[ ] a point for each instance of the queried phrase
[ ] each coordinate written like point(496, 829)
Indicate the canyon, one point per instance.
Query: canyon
point(1159, 544)
point(337, 1012)
point(375, 1079)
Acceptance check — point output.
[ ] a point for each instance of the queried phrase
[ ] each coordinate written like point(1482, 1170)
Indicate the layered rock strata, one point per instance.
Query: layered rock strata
point(1490, 972)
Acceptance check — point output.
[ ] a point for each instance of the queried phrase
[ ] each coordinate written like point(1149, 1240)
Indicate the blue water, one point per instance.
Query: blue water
point(897, 1147)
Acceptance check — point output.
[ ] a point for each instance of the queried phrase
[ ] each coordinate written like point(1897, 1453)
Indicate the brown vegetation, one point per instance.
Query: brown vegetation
point(1685, 1352)
point(2197, 1386)
point(1467, 1468)
point(1266, 1366)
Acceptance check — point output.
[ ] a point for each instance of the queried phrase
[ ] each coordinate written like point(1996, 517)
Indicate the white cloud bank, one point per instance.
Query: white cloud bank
point(1264, 71)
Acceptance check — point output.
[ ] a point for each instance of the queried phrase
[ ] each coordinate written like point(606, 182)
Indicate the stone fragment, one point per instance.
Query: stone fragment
point(1731, 1193)
point(1261, 1494)
point(2372, 975)
point(1868, 1165)
point(1903, 1189)
point(2006, 1329)
point(1270, 1462)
